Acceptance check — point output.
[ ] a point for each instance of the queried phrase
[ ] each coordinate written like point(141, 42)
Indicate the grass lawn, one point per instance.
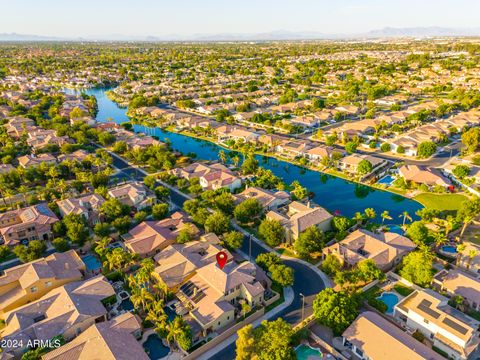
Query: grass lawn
point(441, 201)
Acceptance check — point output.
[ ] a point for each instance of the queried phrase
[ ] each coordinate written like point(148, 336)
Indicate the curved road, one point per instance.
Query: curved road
point(307, 281)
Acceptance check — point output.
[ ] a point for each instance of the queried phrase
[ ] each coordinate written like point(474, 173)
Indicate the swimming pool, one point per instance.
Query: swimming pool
point(397, 229)
point(449, 249)
point(386, 180)
point(305, 352)
point(92, 263)
point(155, 348)
point(390, 299)
point(126, 305)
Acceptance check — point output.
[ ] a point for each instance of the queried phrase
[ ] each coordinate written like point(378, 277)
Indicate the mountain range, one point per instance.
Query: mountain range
point(388, 32)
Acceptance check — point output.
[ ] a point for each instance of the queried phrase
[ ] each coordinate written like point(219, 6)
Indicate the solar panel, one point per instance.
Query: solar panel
point(192, 291)
point(425, 307)
point(454, 325)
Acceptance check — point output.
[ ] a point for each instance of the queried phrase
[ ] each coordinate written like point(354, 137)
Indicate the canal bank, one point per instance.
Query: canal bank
point(335, 194)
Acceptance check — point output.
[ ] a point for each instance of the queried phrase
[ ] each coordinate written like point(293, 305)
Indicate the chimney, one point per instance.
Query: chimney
point(67, 266)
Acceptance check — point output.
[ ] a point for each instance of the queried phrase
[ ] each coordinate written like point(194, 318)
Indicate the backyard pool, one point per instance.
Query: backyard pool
point(390, 299)
point(449, 249)
point(92, 263)
point(170, 313)
point(126, 305)
point(305, 352)
point(397, 229)
point(386, 180)
point(155, 348)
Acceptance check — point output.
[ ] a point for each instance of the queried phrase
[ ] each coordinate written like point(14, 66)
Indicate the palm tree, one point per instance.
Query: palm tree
point(406, 216)
point(176, 328)
point(236, 160)
point(385, 216)
point(222, 156)
point(359, 218)
point(471, 256)
point(370, 214)
point(156, 315)
point(440, 239)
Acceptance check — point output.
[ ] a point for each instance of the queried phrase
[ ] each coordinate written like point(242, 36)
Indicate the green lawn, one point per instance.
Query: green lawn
point(441, 201)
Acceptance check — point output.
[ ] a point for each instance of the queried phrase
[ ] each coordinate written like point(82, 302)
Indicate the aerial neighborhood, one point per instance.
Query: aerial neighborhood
point(250, 200)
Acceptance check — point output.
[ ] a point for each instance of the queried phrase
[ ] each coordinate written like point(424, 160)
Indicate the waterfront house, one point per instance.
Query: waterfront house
point(469, 259)
point(30, 223)
point(423, 175)
point(270, 200)
point(133, 194)
point(350, 163)
point(87, 206)
point(67, 310)
point(111, 340)
point(149, 237)
point(296, 217)
point(228, 132)
point(385, 249)
point(450, 330)
point(25, 283)
point(371, 336)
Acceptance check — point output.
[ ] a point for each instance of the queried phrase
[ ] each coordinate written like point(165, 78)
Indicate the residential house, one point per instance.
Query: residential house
point(385, 249)
point(179, 262)
point(133, 194)
point(77, 155)
point(215, 295)
point(149, 237)
point(34, 160)
point(214, 176)
point(67, 310)
point(25, 283)
point(319, 152)
point(270, 200)
point(458, 283)
point(469, 258)
point(350, 163)
point(449, 329)
point(111, 340)
point(30, 223)
point(297, 217)
point(87, 206)
point(423, 175)
point(228, 132)
point(292, 149)
point(371, 337)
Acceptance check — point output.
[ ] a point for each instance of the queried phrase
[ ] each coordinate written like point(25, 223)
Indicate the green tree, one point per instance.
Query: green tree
point(266, 260)
point(76, 228)
point(33, 251)
point(179, 331)
point(364, 167)
point(336, 310)
point(4, 252)
point(282, 275)
point(217, 223)
point(61, 244)
point(102, 229)
point(309, 241)
point(186, 234)
point(426, 149)
point(331, 265)
point(471, 139)
point(233, 239)
point(273, 340)
point(248, 210)
point(272, 232)
point(113, 209)
point(461, 171)
point(351, 147)
point(417, 232)
point(468, 211)
point(160, 211)
point(417, 267)
point(245, 344)
point(250, 165)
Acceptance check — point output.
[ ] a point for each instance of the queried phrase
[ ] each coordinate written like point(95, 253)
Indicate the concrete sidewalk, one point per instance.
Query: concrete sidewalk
point(288, 295)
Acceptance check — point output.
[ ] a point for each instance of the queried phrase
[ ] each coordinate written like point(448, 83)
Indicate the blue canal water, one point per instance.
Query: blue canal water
point(333, 193)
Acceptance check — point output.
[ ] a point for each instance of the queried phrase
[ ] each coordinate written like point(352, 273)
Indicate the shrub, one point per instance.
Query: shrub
point(378, 304)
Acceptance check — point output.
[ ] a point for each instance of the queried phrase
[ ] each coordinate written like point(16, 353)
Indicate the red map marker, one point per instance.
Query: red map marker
point(221, 259)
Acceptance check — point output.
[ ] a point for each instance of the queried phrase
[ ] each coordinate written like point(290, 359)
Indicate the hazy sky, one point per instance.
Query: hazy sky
point(185, 17)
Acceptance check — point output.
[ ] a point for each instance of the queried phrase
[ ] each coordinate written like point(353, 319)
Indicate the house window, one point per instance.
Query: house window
point(33, 289)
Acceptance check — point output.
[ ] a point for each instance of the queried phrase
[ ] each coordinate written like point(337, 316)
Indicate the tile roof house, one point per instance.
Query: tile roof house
point(212, 293)
point(30, 223)
point(133, 194)
point(178, 262)
point(350, 163)
point(67, 310)
point(385, 249)
point(372, 337)
point(87, 206)
point(150, 237)
point(423, 175)
point(297, 217)
point(228, 132)
point(28, 282)
point(110, 340)
point(33, 160)
point(469, 259)
point(457, 282)
point(269, 200)
point(450, 330)
point(214, 176)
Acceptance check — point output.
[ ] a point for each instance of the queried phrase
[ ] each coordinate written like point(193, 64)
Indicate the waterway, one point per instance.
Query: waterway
point(333, 193)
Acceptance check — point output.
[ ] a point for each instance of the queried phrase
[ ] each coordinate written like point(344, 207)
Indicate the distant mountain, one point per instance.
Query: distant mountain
point(388, 32)
point(26, 37)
